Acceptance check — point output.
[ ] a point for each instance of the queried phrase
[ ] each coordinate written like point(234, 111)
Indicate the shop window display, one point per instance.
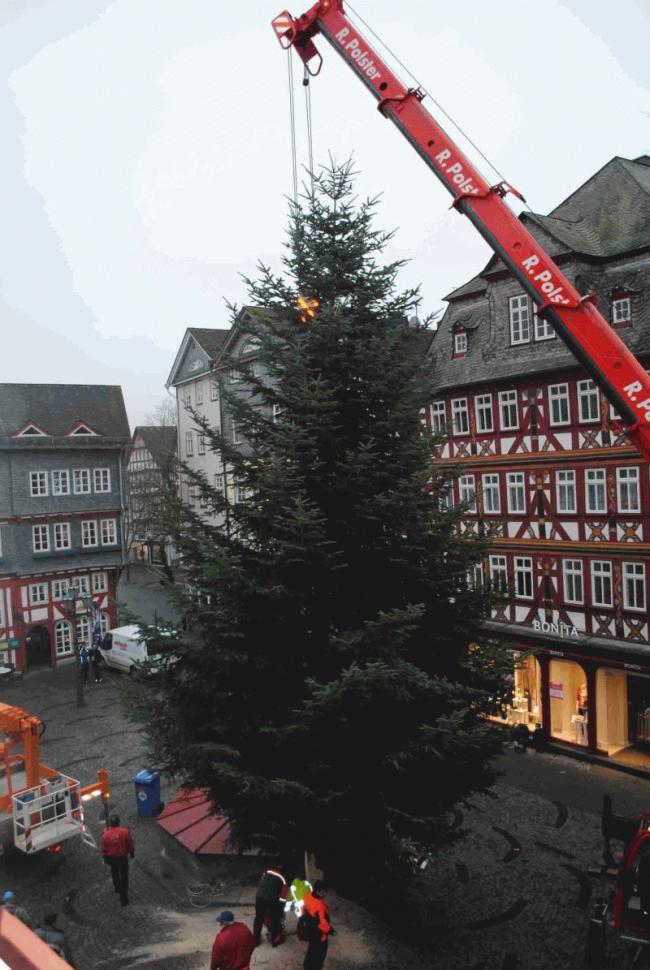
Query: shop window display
point(612, 733)
point(569, 701)
point(523, 704)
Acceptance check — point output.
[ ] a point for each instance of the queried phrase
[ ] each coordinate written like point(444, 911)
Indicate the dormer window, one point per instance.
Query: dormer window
point(460, 344)
point(30, 430)
point(81, 429)
point(519, 307)
point(621, 311)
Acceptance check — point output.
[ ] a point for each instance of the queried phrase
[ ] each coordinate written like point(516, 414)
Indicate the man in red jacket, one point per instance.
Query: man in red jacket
point(233, 945)
point(117, 846)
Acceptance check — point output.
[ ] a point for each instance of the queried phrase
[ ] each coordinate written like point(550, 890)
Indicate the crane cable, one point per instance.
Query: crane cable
point(292, 121)
point(429, 95)
point(310, 144)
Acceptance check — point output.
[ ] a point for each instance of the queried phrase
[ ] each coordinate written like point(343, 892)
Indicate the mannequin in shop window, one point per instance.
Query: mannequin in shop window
point(582, 700)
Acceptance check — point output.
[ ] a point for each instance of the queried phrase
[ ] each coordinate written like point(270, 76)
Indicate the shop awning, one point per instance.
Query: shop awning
point(190, 819)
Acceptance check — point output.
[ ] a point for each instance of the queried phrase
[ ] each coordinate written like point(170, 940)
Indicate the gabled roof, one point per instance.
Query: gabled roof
point(59, 408)
point(209, 340)
point(160, 441)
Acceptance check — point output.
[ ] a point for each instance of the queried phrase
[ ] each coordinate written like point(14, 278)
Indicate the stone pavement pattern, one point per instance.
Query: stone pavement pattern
point(511, 894)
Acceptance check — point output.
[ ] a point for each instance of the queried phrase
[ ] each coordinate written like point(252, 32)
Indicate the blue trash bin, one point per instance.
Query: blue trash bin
point(147, 792)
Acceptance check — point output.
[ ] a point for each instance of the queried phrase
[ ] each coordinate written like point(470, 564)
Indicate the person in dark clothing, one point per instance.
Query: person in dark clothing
point(84, 662)
point(96, 661)
point(316, 916)
point(54, 936)
point(269, 905)
point(117, 846)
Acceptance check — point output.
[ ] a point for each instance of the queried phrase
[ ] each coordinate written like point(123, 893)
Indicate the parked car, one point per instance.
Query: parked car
point(128, 649)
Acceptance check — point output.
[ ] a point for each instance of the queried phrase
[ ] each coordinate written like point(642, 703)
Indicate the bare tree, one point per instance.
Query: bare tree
point(163, 414)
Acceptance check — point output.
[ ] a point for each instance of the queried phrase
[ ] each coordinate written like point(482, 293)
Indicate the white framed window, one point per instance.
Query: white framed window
point(484, 416)
point(60, 589)
point(104, 623)
point(508, 410)
point(491, 495)
point(460, 416)
point(234, 376)
point(438, 411)
point(201, 444)
point(88, 533)
point(596, 490)
point(102, 479)
point(187, 397)
point(588, 402)
point(519, 319)
point(499, 572)
point(81, 585)
point(37, 484)
point(83, 631)
point(468, 492)
point(565, 490)
point(558, 400)
point(516, 488)
point(627, 489)
point(189, 444)
point(475, 577)
point(62, 535)
point(241, 492)
point(601, 583)
point(109, 532)
point(460, 343)
point(99, 582)
point(634, 586)
point(237, 438)
point(40, 538)
point(62, 638)
point(219, 482)
point(524, 577)
point(37, 594)
point(573, 582)
point(543, 329)
point(214, 391)
point(61, 481)
point(622, 310)
point(81, 481)
point(199, 393)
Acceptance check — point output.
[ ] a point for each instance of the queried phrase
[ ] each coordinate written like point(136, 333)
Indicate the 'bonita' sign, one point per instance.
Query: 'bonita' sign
point(561, 629)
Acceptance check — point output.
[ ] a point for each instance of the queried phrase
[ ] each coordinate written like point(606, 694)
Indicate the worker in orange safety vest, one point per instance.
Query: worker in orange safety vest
point(316, 918)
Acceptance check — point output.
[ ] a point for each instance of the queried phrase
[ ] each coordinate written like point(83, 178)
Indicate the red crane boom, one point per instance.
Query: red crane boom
point(574, 317)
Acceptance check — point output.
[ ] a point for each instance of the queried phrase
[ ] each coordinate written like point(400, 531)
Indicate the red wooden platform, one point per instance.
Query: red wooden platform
point(190, 819)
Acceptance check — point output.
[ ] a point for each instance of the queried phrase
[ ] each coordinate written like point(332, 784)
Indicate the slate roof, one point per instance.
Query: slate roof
point(595, 233)
point(58, 408)
point(160, 441)
point(210, 339)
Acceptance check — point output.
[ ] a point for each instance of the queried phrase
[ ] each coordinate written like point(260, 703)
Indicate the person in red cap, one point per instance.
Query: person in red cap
point(233, 945)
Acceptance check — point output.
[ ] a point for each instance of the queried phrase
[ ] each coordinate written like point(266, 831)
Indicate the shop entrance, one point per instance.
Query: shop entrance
point(568, 700)
point(37, 647)
point(638, 711)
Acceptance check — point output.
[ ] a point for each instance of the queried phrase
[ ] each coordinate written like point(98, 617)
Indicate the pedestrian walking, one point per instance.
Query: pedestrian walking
point(233, 945)
point(96, 661)
point(84, 662)
point(316, 921)
point(55, 938)
point(117, 846)
point(10, 903)
point(269, 905)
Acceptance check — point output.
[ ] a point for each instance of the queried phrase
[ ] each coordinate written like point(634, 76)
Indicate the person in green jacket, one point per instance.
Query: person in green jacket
point(269, 905)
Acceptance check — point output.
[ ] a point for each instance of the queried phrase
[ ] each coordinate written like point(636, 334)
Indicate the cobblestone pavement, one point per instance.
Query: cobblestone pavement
point(142, 593)
point(512, 894)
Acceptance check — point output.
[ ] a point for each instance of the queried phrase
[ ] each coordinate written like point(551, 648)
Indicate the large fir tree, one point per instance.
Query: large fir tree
point(325, 697)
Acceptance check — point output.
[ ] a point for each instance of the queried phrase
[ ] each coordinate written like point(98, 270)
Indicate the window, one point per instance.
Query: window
point(573, 585)
point(276, 413)
point(199, 393)
point(468, 492)
point(622, 310)
point(601, 583)
point(460, 416)
point(201, 444)
point(102, 479)
point(475, 577)
point(565, 489)
point(491, 495)
point(40, 538)
point(37, 593)
point(62, 638)
point(104, 623)
point(187, 397)
point(484, 419)
point(519, 320)
point(189, 444)
point(80, 585)
point(240, 489)
point(214, 391)
point(62, 535)
point(596, 490)
point(460, 343)
point(88, 533)
point(236, 434)
point(524, 577)
point(508, 410)
point(219, 482)
point(516, 492)
point(634, 585)
point(588, 402)
point(83, 631)
point(438, 417)
point(543, 329)
point(234, 376)
point(558, 398)
point(100, 582)
point(61, 482)
point(81, 481)
point(627, 489)
point(37, 484)
point(60, 588)
point(109, 532)
point(499, 573)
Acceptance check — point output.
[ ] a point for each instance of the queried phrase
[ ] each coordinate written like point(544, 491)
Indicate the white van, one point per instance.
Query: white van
point(124, 648)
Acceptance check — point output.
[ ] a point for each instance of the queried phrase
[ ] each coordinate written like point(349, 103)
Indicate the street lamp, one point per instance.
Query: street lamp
point(70, 600)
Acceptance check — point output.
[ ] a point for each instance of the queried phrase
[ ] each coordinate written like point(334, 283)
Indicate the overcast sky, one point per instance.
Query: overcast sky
point(146, 155)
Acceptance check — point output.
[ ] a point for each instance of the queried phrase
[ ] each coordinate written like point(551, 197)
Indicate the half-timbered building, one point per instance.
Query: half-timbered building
point(548, 474)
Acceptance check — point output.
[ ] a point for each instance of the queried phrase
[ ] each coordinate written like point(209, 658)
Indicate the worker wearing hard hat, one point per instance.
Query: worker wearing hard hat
point(10, 903)
point(269, 905)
